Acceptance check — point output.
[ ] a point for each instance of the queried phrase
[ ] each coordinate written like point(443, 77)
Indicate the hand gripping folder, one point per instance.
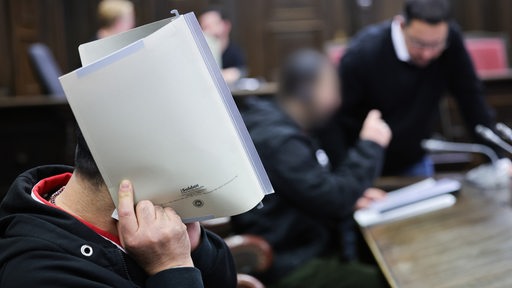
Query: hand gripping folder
point(153, 108)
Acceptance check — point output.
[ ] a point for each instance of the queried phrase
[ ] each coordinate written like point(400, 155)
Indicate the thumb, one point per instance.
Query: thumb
point(125, 209)
point(374, 114)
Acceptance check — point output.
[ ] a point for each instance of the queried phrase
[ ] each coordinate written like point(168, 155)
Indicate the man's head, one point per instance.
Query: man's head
point(85, 166)
point(115, 16)
point(309, 82)
point(215, 23)
point(425, 25)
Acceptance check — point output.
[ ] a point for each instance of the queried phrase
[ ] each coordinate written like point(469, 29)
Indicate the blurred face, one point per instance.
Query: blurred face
point(125, 23)
point(213, 24)
point(425, 42)
point(326, 95)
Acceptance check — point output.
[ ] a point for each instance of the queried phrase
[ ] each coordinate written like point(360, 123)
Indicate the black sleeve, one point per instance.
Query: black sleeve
point(233, 57)
point(214, 267)
point(343, 131)
point(214, 260)
point(465, 85)
point(316, 190)
point(184, 277)
point(53, 269)
point(56, 269)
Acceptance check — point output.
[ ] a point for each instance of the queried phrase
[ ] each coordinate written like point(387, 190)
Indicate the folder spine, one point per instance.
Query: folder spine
point(228, 101)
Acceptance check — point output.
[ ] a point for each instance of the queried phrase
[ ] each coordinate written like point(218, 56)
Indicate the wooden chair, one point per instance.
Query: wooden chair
point(247, 281)
point(252, 254)
point(47, 69)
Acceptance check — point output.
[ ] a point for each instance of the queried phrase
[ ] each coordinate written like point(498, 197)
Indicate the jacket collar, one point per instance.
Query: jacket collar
point(47, 186)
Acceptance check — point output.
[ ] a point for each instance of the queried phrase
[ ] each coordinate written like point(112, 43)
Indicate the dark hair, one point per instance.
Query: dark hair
point(299, 73)
point(217, 9)
point(430, 11)
point(85, 166)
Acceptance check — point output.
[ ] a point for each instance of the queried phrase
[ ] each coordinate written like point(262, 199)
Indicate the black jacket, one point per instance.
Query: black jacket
point(301, 220)
point(408, 96)
point(40, 246)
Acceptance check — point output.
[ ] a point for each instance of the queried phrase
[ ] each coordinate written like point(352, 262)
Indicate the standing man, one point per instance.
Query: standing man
point(403, 68)
point(216, 24)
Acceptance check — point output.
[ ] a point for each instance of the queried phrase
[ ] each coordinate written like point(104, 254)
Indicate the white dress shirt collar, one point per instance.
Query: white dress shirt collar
point(397, 36)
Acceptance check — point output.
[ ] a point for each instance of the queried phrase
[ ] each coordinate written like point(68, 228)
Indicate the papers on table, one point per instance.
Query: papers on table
point(422, 197)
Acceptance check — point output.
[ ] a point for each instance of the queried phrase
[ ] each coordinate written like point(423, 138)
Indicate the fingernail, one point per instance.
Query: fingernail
point(125, 185)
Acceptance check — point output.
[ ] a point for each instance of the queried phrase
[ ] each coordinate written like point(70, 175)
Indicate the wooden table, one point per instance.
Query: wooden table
point(467, 245)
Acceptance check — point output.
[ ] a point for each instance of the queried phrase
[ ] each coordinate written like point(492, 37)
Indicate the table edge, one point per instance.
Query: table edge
point(378, 257)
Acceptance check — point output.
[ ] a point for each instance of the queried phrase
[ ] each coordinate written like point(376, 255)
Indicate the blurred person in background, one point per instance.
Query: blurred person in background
point(308, 220)
point(403, 67)
point(114, 17)
point(217, 25)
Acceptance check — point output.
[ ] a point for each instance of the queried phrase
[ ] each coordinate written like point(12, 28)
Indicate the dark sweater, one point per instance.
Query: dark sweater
point(233, 57)
point(301, 221)
point(408, 96)
point(40, 246)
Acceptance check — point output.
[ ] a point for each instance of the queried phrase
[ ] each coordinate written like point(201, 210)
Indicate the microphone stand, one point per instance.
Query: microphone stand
point(444, 146)
point(490, 136)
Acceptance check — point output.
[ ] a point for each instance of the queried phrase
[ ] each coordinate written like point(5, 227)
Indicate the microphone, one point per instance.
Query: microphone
point(489, 135)
point(494, 175)
point(444, 146)
point(505, 131)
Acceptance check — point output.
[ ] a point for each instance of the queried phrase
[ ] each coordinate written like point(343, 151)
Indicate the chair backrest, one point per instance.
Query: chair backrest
point(247, 281)
point(47, 69)
point(489, 53)
point(252, 254)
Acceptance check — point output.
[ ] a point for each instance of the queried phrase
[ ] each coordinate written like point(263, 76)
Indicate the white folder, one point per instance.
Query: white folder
point(153, 108)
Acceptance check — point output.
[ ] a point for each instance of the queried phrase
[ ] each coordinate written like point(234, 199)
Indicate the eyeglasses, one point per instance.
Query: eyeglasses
point(419, 44)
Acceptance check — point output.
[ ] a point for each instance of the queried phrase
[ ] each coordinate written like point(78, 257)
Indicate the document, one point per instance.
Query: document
point(422, 197)
point(153, 108)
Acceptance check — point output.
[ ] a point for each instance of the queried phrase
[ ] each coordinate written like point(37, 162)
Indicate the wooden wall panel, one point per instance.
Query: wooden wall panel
point(6, 77)
point(284, 26)
point(34, 21)
point(80, 26)
point(25, 29)
point(267, 30)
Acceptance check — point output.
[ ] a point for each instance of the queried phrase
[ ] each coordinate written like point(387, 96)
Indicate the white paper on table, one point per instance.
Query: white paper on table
point(422, 197)
point(153, 108)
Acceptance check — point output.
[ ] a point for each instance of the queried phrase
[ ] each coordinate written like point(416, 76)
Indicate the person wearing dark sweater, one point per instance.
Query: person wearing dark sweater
point(215, 23)
point(403, 68)
point(56, 230)
point(305, 218)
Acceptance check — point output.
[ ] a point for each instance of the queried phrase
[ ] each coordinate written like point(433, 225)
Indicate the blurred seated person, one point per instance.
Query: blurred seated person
point(216, 24)
point(56, 230)
point(403, 67)
point(304, 220)
point(114, 17)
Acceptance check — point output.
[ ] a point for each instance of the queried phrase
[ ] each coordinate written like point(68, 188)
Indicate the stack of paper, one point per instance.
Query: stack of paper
point(422, 197)
point(153, 108)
